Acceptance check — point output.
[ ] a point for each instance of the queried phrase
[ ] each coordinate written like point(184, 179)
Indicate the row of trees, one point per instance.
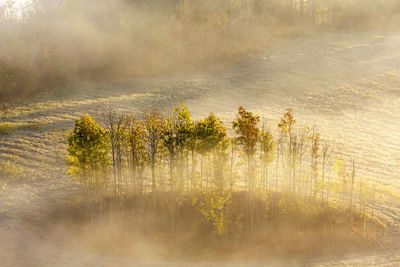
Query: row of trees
point(158, 155)
point(172, 152)
point(138, 147)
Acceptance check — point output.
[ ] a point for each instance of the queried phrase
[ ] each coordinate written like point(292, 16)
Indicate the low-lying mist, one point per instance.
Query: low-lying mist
point(303, 196)
point(165, 187)
point(49, 44)
point(170, 227)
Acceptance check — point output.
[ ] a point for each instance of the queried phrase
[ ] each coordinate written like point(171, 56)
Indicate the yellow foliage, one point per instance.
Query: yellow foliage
point(212, 206)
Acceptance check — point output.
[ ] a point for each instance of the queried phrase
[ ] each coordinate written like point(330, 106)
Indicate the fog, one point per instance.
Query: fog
point(336, 63)
point(50, 44)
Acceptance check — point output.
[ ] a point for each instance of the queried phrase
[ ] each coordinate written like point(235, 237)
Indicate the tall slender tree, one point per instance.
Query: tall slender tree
point(210, 133)
point(185, 136)
point(315, 144)
point(286, 127)
point(267, 147)
point(138, 156)
point(247, 134)
point(154, 133)
point(115, 130)
point(171, 145)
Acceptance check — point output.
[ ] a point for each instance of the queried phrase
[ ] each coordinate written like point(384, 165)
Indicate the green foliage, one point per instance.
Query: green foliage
point(88, 149)
point(171, 136)
point(135, 140)
point(267, 146)
point(184, 126)
point(209, 132)
point(179, 138)
point(211, 139)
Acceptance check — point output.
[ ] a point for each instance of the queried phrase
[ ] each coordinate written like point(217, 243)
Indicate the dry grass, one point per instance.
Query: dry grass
point(9, 128)
point(41, 153)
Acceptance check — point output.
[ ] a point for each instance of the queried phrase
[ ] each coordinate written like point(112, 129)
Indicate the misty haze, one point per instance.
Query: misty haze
point(199, 133)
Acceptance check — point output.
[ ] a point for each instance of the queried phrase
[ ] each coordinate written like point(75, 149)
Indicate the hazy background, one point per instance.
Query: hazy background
point(48, 44)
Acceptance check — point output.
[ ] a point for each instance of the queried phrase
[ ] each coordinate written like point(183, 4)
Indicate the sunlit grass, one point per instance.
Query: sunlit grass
point(10, 171)
point(52, 105)
point(8, 128)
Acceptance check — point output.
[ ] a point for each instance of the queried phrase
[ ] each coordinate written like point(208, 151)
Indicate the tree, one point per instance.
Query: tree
point(286, 127)
point(154, 133)
point(185, 137)
point(232, 161)
point(115, 129)
point(325, 158)
point(267, 147)
point(220, 159)
point(88, 151)
point(302, 143)
point(315, 143)
point(139, 157)
point(210, 134)
point(247, 136)
point(171, 144)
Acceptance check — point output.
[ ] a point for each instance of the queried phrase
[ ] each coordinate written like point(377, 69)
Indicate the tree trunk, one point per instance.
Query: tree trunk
point(266, 177)
point(114, 170)
point(262, 167)
point(193, 171)
point(231, 181)
point(277, 166)
point(201, 171)
point(133, 179)
point(187, 172)
point(153, 174)
point(323, 179)
point(171, 172)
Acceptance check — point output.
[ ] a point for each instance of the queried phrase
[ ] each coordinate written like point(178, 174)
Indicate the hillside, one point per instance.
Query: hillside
point(348, 85)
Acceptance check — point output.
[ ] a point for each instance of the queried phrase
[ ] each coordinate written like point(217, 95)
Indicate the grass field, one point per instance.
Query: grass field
point(347, 85)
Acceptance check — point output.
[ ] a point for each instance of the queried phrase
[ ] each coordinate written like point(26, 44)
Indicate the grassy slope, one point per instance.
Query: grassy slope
point(360, 104)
